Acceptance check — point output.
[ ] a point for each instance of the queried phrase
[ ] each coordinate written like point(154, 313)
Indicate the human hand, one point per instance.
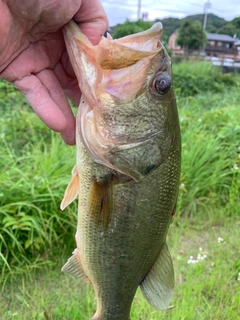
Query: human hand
point(33, 55)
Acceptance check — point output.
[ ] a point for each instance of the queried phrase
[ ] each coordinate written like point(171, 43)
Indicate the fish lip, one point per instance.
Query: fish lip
point(72, 29)
point(124, 52)
point(141, 36)
point(118, 53)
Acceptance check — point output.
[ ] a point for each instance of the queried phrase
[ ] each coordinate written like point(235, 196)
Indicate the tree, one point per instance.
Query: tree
point(169, 26)
point(236, 23)
point(191, 35)
point(129, 27)
point(229, 29)
point(213, 21)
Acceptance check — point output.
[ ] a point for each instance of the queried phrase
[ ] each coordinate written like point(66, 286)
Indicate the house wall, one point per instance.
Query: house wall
point(220, 49)
point(172, 45)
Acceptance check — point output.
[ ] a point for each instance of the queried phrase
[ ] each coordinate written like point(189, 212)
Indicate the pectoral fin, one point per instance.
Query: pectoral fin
point(158, 286)
point(72, 190)
point(100, 202)
point(74, 266)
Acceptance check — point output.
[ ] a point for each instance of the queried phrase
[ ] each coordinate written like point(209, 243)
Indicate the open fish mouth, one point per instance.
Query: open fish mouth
point(116, 72)
point(118, 53)
point(105, 67)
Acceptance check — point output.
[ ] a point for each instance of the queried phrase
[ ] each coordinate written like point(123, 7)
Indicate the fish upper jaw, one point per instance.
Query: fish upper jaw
point(96, 66)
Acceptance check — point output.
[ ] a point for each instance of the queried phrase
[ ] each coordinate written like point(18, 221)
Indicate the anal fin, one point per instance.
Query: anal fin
point(74, 266)
point(72, 190)
point(158, 286)
point(101, 202)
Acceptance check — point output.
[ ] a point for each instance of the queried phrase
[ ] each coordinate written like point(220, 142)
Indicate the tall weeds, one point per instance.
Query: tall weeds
point(35, 167)
point(210, 152)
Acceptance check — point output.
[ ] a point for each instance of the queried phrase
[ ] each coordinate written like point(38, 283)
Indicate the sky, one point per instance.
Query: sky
point(118, 10)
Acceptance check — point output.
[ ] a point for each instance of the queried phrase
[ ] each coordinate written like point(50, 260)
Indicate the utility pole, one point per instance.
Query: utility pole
point(139, 9)
point(207, 5)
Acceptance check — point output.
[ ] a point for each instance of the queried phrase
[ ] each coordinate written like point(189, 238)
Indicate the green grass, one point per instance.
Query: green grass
point(35, 167)
point(210, 151)
point(205, 290)
point(36, 237)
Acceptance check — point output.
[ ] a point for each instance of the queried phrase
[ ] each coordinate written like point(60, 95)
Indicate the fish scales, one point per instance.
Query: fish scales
point(126, 178)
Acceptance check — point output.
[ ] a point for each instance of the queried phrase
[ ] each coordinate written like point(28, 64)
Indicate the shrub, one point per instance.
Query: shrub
point(191, 79)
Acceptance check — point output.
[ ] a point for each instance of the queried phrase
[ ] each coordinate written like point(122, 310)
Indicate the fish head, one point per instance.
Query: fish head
point(127, 117)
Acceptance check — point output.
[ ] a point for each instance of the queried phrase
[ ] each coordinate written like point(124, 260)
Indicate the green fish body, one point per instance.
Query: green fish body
point(127, 169)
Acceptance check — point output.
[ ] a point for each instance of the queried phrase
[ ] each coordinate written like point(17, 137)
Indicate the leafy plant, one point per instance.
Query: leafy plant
point(34, 174)
point(35, 166)
point(210, 152)
point(191, 79)
point(191, 35)
point(129, 27)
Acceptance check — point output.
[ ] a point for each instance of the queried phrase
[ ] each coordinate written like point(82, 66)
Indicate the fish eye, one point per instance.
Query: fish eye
point(162, 83)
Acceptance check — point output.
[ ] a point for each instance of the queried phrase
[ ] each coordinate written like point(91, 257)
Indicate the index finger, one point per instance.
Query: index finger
point(47, 99)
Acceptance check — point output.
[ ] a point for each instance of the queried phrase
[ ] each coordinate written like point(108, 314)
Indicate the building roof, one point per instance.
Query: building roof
point(237, 43)
point(220, 37)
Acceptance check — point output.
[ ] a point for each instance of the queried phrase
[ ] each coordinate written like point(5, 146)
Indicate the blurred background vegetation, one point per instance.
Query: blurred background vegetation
point(214, 24)
point(35, 167)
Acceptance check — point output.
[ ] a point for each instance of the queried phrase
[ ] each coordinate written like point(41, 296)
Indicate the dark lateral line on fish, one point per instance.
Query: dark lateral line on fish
point(101, 202)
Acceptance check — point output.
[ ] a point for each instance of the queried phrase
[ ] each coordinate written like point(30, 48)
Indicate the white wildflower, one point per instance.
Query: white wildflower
point(200, 257)
point(235, 167)
point(191, 260)
point(220, 240)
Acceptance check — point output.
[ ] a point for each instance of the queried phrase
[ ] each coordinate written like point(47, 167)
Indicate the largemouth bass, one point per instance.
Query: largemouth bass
point(127, 169)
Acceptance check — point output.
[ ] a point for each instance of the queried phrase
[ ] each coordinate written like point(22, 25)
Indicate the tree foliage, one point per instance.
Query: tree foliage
point(236, 22)
point(129, 27)
point(231, 28)
point(169, 26)
point(214, 24)
point(172, 24)
point(191, 36)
